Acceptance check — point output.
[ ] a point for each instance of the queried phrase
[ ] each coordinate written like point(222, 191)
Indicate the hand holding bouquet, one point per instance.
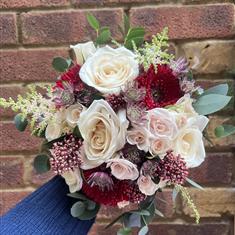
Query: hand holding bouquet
point(121, 123)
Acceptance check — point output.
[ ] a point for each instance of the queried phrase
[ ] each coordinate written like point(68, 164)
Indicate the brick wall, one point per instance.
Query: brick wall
point(32, 32)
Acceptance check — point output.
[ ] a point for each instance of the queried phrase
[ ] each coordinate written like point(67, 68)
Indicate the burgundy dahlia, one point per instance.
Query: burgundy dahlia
point(162, 87)
point(65, 154)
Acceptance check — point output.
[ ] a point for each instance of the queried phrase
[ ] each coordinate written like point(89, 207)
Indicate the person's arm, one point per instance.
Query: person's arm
point(45, 212)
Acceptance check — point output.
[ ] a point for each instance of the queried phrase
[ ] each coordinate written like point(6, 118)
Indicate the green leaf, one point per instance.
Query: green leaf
point(124, 231)
point(60, 64)
point(141, 212)
point(137, 40)
point(91, 205)
point(76, 132)
point(77, 196)
point(89, 214)
point(157, 212)
point(136, 35)
point(41, 163)
point(20, 122)
point(103, 37)
point(94, 23)
point(224, 130)
point(144, 230)
point(211, 103)
point(78, 209)
point(126, 23)
point(221, 89)
point(194, 184)
point(132, 220)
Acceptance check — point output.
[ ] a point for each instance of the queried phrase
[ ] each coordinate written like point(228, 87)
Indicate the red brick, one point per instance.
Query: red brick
point(206, 228)
point(211, 172)
point(8, 29)
point(11, 172)
point(13, 140)
point(6, 92)
point(12, 4)
point(66, 26)
point(202, 21)
point(29, 65)
point(10, 199)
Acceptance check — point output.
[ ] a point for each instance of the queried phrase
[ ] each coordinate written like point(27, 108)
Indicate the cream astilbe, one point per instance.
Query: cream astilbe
point(155, 52)
point(187, 198)
point(34, 106)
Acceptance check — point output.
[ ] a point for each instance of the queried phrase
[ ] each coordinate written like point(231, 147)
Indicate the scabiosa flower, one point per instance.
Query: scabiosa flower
point(172, 169)
point(65, 154)
point(179, 66)
point(162, 87)
point(149, 168)
point(116, 102)
point(135, 112)
point(102, 179)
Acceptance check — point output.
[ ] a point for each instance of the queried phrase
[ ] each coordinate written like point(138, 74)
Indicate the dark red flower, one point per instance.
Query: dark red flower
point(120, 191)
point(162, 87)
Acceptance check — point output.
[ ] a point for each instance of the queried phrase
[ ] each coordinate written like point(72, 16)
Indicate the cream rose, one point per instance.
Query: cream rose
point(185, 106)
point(123, 169)
point(103, 131)
point(73, 114)
point(83, 50)
point(159, 146)
point(139, 136)
point(162, 123)
point(53, 131)
point(73, 179)
point(109, 69)
point(146, 185)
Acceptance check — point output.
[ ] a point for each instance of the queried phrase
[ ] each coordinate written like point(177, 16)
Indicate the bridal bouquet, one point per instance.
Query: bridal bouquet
point(121, 123)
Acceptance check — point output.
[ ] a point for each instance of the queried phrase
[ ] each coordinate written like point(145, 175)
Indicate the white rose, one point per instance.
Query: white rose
point(83, 50)
point(103, 131)
point(109, 69)
point(73, 114)
point(189, 145)
point(162, 123)
point(73, 179)
point(139, 136)
point(159, 146)
point(123, 169)
point(185, 106)
point(146, 185)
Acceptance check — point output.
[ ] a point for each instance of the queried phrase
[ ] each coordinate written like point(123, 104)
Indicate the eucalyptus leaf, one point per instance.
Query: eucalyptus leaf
point(144, 230)
point(194, 184)
point(221, 89)
point(124, 231)
point(60, 64)
point(41, 163)
point(94, 23)
point(211, 103)
point(77, 196)
point(20, 122)
point(132, 220)
point(89, 214)
point(141, 212)
point(103, 37)
point(157, 212)
point(78, 209)
point(90, 205)
point(224, 130)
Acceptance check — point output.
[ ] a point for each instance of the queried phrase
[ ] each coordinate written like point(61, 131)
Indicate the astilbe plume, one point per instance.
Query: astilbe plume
point(162, 86)
point(172, 168)
point(65, 154)
point(116, 102)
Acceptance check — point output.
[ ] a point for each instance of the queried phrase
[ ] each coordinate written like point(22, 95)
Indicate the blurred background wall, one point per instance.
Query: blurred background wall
point(32, 32)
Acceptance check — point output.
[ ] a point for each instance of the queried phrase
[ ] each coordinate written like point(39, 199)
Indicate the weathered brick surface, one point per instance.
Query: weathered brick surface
point(187, 21)
point(29, 65)
point(6, 4)
point(204, 228)
point(10, 198)
point(200, 54)
point(6, 92)
point(211, 172)
point(11, 171)
point(66, 26)
point(13, 140)
point(8, 29)
point(212, 202)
